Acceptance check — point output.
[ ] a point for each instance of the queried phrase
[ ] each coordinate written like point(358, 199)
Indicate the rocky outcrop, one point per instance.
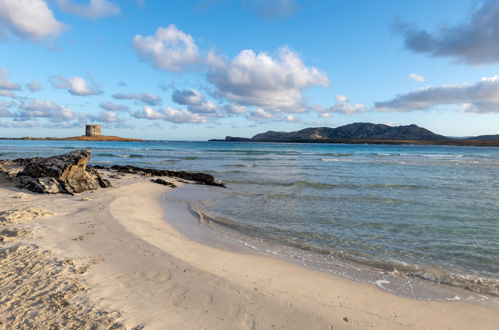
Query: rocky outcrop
point(164, 183)
point(65, 173)
point(200, 178)
point(69, 173)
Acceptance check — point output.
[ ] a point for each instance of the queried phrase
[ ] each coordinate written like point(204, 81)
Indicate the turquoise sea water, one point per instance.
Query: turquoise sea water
point(430, 212)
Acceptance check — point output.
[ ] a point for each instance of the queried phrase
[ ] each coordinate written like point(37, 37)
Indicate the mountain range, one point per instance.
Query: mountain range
point(367, 133)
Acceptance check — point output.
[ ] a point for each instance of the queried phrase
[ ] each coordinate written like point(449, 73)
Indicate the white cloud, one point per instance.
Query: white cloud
point(343, 106)
point(4, 109)
point(194, 100)
point(44, 109)
point(34, 86)
point(261, 114)
point(183, 116)
point(482, 96)
point(205, 107)
point(107, 117)
point(171, 115)
point(75, 86)
point(6, 84)
point(187, 97)
point(473, 42)
point(6, 93)
point(147, 98)
point(261, 80)
point(29, 19)
point(93, 9)
point(235, 109)
point(5, 112)
point(417, 77)
point(325, 115)
point(149, 113)
point(168, 49)
point(22, 124)
point(290, 118)
point(110, 106)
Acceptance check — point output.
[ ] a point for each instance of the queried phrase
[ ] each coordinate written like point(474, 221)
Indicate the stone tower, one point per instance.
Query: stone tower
point(93, 130)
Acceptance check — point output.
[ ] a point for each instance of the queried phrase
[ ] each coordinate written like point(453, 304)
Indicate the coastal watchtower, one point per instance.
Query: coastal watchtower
point(93, 130)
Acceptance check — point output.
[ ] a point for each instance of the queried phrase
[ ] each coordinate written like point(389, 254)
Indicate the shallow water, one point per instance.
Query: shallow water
point(428, 212)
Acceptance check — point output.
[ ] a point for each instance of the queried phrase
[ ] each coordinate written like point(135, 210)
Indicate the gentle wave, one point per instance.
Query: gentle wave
point(120, 155)
point(320, 185)
point(240, 165)
point(470, 282)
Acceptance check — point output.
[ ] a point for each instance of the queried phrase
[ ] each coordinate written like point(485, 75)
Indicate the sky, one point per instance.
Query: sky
point(202, 69)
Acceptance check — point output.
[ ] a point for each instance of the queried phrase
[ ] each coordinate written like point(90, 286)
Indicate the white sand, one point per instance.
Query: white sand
point(108, 257)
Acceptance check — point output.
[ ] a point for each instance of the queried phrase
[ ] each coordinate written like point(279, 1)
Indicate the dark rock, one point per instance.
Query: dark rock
point(164, 183)
point(200, 178)
point(40, 185)
point(65, 173)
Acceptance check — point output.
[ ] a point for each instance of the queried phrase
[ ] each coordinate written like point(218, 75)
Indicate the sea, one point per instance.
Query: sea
point(417, 221)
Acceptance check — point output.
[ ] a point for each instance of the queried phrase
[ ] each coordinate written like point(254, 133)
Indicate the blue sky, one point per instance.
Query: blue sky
point(205, 69)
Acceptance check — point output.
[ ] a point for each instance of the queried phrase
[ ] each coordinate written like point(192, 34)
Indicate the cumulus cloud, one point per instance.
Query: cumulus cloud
point(22, 124)
point(261, 80)
point(107, 117)
point(5, 112)
point(147, 98)
point(6, 84)
point(44, 109)
point(274, 8)
point(261, 114)
point(34, 86)
point(110, 106)
point(417, 77)
point(171, 115)
point(29, 19)
point(482, 96)
point(75, 86)
point(93, 9)
point(6, 93)
point(473, 42)
point(4, 109)
point(205, 107)
point(194, 100)
point(187, 97)
point(343, 106)
point(235, 109)
point(168, 49)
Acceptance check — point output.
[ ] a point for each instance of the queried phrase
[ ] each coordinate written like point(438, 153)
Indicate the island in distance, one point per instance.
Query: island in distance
point(92, 133)
point(367, 133)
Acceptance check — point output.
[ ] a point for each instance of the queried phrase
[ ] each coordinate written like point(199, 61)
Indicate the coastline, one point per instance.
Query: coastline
point(140, 271)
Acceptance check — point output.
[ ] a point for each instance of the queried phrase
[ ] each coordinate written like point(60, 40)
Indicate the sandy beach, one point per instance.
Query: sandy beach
point(108, 259)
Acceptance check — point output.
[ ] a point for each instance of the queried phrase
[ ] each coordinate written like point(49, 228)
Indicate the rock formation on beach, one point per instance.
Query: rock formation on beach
point(69, 173)
point(199, 178)
point(65, 173)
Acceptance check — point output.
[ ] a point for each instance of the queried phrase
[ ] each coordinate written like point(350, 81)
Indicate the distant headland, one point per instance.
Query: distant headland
point(367, 133)
point(92, 133)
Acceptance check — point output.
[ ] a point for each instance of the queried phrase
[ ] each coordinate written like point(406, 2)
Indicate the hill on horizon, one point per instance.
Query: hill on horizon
point(350, 131)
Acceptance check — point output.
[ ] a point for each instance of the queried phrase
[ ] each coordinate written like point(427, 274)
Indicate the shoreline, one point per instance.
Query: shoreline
point(143, 272)
point(207, 230)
